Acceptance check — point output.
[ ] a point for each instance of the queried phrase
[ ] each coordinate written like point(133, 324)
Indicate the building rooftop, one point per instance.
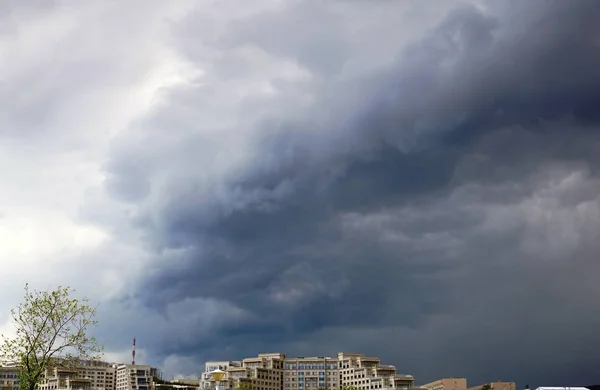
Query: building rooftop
point(562, 388)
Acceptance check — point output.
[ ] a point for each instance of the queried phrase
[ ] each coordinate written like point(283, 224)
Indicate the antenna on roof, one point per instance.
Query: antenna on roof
point(133, 353)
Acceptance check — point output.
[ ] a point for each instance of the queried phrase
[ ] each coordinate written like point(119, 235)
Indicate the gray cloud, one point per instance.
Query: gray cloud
point(436, 206)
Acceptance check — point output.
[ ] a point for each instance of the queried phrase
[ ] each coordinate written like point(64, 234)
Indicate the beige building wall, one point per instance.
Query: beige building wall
point(447, 384)
point(275, 371)
point(365, 372)
point(134, 377)
point(90, 375)
point(499, 385)
point(64, 378)
point(102, 376)
point(264, 372)
point(310, 373)
point(9, 378)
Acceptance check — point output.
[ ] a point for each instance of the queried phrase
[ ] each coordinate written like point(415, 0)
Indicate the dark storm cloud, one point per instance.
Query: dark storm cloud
point(450, 199)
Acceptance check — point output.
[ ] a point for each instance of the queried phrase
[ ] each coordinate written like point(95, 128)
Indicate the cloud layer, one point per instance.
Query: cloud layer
point(417, 182)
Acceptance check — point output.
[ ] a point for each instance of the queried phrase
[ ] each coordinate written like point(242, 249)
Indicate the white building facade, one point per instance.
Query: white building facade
point(99, 376)
point(275, 371)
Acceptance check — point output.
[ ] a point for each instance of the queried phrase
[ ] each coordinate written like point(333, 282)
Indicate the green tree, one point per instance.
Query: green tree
point(51, 329)
point(241, 385)
point(487, 386)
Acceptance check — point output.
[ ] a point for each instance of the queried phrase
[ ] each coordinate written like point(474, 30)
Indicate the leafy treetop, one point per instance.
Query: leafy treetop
point(51, 329)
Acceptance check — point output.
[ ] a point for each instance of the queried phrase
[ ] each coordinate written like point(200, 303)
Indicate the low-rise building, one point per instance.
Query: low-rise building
point(64, 378)
point(177, 384)
point(275, 371)
point(9, 378)
point(498, 385)
point(368, 373)
point(94, 375)
point(447, 384)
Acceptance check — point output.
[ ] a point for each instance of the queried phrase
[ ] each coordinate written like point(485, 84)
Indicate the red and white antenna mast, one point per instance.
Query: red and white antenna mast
point(133, 353)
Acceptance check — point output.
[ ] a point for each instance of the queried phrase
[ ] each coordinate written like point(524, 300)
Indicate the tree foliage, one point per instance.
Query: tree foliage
point(487, 386)
point(349, 387)
point(241, 385)
point(51, 329)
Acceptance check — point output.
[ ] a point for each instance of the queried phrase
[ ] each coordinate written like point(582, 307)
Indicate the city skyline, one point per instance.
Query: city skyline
point(266, 371)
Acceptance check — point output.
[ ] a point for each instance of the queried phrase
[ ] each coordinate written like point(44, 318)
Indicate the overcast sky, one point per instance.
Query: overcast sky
point(415, 180)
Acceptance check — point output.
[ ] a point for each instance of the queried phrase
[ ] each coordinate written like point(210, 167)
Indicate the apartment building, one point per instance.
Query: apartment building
point(447, 384)
point(64, 378)
point(97, 375)
point(93, 375)
point(275, 371)
point(134, 377)
point(366, 372)
point(307, 373)
point(101, 374)
point(499, 385)
point(264, 372)
point(9, 378)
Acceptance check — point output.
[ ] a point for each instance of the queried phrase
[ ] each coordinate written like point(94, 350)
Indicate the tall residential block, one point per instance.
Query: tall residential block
point(275, 371)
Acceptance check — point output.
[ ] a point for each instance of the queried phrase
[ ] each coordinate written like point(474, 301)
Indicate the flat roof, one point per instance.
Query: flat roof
point(563, 388)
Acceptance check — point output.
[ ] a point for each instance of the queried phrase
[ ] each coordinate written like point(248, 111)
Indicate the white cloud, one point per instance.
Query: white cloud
point(177, 367)
point(98, 68)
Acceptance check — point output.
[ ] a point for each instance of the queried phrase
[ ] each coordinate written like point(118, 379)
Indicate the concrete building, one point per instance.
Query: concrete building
point(101, 374)
point(97, 375)
point(447, 384)
point(275, 371)
point(9, 378)
point(87, 375)
point(264, 372)
point(499, 385)
point(177, 384)
point(307, 373)
point(566, 388)
point(368, 373)
point(134, 377)
point(64, 378)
